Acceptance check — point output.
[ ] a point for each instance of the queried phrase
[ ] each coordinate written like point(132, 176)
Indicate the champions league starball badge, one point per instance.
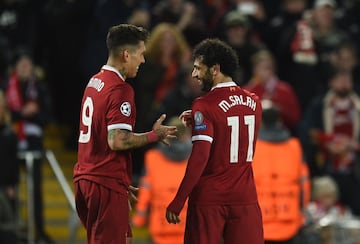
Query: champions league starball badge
point(125, 109)
point(199, 119)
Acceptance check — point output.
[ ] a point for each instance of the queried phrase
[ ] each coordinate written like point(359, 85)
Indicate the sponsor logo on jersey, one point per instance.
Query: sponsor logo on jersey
point(199, 119)
point(125, 109)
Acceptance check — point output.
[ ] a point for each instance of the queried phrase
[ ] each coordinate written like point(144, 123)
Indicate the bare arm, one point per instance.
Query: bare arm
point(119, 139)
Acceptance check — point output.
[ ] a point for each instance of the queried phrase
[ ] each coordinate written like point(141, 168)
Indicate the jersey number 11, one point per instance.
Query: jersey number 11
point(233, 122)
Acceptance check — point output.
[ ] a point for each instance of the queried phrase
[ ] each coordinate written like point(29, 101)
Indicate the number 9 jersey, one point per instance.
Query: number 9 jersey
point(108, 103)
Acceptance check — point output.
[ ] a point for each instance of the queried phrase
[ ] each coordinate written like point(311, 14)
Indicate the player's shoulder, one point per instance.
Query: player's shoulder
point(250, 94)
point(201, 102)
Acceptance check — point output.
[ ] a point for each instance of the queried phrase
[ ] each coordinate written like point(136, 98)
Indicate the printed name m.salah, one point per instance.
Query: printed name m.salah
point(235, 100)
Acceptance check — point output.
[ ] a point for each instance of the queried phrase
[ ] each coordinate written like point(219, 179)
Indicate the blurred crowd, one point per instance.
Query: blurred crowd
point(303, 55)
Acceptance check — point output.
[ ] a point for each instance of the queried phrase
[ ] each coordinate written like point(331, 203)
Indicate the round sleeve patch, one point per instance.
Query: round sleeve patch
point(198, 117)
point(199, 121)
point(125, 109)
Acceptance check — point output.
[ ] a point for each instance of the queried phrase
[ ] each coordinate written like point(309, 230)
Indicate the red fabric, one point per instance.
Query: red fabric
point(303, 41)
point(219, 169)
point(207, 224)
point(111, 106)
point(13, 93)
point(283, 96)
point(167, 82)
point(195, 168)
point(342, 128)
point(152, 136)
point(94, 203)
point(15, 102)
point(343, 119)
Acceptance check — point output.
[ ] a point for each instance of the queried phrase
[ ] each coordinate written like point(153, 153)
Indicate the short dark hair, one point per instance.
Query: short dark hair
point(270, 113)
point(215, 51)
point(123, 35)
point(333, 73)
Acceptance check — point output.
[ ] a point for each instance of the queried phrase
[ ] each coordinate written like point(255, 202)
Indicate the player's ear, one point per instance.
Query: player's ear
point(125, 55)
point(215, 69)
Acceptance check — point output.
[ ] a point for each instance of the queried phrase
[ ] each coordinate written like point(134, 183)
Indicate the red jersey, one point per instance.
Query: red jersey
point(228, 118)
point(108, 103)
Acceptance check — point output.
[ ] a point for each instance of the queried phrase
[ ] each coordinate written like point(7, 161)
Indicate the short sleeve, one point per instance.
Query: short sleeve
point(121, 108)
point(203, 127)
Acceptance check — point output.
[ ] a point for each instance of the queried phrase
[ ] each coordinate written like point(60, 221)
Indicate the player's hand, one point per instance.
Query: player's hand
point(186, 118)
point(164, 132)
point(172, 218)
point(132, 193)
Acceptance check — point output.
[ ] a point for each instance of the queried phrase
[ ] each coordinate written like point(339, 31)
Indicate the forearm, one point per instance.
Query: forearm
point(196, 165)
point(125, 140)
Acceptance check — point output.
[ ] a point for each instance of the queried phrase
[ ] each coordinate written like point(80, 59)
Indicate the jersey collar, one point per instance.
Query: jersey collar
point(110, 68)
point(225, 84)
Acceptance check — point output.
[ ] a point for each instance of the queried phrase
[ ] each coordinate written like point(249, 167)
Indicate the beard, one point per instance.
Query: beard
point(207, 81)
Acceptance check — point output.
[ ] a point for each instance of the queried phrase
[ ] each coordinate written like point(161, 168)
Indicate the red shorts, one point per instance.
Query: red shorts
point(103, 212)
point(234, 224)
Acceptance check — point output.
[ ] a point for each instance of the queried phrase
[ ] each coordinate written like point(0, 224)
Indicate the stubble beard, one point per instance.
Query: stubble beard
point(207, 82)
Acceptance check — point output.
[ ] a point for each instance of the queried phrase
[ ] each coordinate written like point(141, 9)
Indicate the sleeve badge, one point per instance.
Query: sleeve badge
point(125, 109)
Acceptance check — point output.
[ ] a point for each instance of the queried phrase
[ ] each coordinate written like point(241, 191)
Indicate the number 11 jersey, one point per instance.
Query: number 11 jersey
point(229, 118)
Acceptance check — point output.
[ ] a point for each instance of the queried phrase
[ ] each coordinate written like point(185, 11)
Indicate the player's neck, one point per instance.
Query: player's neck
point(118, 67)
point(222, 79)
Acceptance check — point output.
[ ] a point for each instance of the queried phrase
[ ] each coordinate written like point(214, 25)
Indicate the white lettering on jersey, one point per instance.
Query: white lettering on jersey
point(96, 83)
point(235, 100)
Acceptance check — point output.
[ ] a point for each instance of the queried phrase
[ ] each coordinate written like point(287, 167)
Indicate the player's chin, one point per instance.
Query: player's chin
point(132, 75)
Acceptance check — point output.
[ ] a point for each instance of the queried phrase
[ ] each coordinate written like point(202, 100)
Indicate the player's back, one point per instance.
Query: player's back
point(231, 117)
point(107, 103)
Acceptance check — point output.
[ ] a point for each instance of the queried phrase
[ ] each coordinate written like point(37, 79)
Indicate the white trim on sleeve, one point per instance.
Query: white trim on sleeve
point(202, 138)
point(120, 126)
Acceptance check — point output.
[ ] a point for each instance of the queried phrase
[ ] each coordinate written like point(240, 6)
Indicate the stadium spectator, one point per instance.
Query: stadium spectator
point(182, 96)
point(295, 51)
point(30, 105)
point(18, 27)
point(267, 85)
point(238, 34)
point(291, 11)
point(252, 9)
point(166, 52)
point(346, 58)
point(325, 214)
point(327, 34)
point(185, 15)
point(331, 137)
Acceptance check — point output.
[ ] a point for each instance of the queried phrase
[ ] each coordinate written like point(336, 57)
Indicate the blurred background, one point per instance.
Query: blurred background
point(303, 55)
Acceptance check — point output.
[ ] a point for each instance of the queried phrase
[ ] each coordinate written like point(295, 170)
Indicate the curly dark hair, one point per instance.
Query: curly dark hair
point(215, 51)
point(123, 35)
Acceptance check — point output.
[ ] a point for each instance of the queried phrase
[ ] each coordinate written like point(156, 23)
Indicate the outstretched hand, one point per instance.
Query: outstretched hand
point(164, 132)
